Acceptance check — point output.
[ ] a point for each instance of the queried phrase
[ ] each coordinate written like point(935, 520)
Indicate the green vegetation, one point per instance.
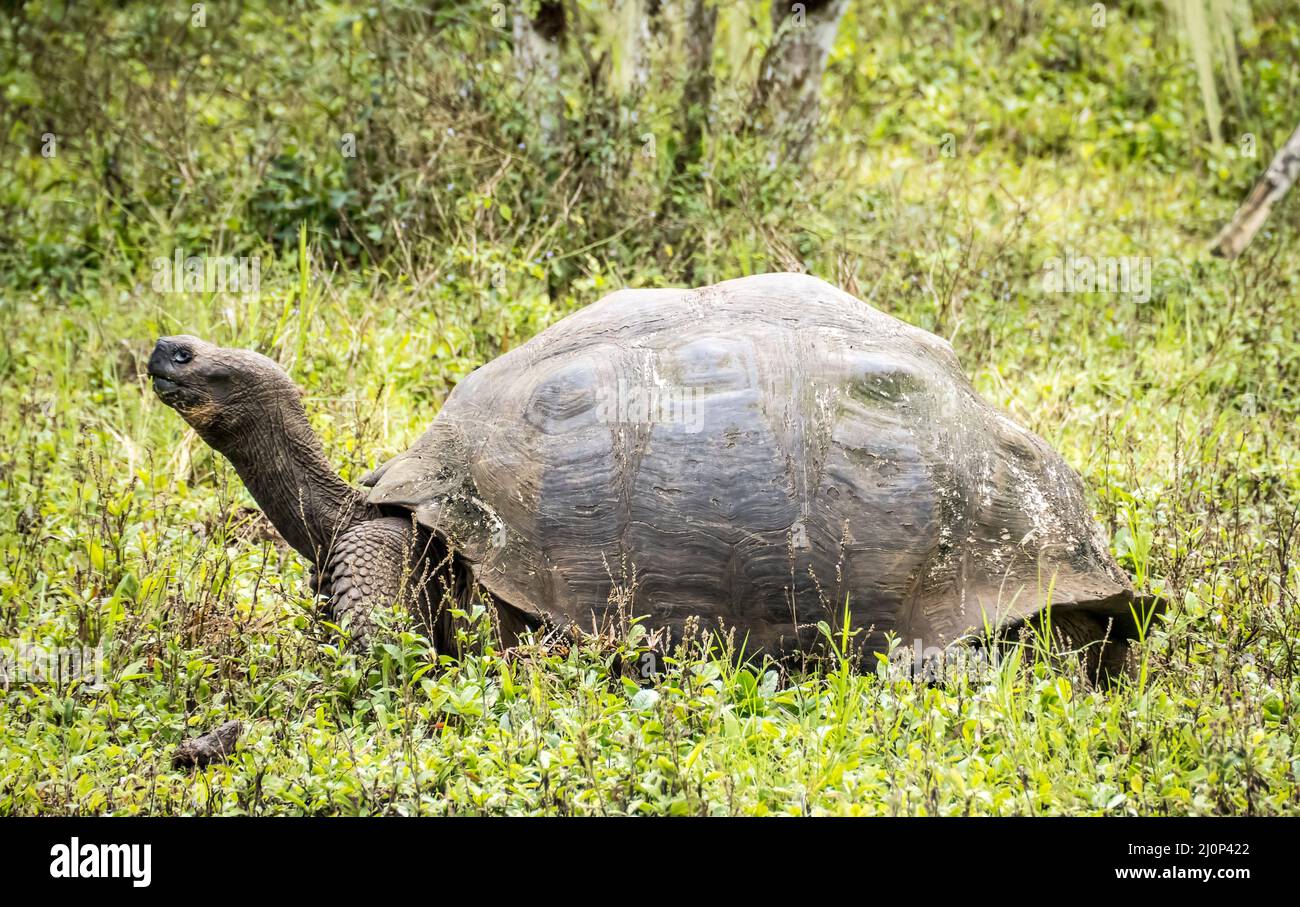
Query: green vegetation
point(964, 145)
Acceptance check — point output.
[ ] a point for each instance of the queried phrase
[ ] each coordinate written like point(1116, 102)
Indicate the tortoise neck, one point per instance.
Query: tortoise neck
point(282, 463)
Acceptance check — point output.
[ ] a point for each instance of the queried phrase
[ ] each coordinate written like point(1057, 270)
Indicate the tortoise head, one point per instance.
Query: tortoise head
point(222, 393)
point(245, 406)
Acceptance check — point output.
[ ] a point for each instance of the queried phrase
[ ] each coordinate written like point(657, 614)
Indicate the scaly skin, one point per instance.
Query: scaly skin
point(373, 563)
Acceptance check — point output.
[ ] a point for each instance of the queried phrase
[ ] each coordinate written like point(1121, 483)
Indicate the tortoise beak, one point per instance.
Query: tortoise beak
point(162, 387)
point(162, 371)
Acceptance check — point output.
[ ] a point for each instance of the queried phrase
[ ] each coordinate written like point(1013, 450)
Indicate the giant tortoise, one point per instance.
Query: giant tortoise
point(753, 458)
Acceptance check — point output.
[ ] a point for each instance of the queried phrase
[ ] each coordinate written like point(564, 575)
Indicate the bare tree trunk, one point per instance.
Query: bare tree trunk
point(697, 94)
point(538, 41)
point(643, 24)
point(1272, 186)
point(789, 79)
point(699, 22)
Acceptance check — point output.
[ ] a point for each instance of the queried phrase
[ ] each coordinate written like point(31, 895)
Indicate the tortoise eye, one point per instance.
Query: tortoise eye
point(182, 356)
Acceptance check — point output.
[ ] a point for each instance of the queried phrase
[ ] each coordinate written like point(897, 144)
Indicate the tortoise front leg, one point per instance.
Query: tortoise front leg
point(372, 564)
point(380, 562)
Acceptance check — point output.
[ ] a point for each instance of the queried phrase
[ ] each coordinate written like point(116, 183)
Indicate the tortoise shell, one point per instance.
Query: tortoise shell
point(757, 455)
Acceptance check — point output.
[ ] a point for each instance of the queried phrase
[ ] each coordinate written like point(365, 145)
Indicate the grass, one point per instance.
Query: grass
point(120, 530)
